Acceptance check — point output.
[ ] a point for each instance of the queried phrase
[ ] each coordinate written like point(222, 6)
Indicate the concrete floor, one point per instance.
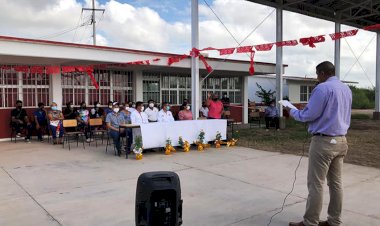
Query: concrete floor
point(42, 184)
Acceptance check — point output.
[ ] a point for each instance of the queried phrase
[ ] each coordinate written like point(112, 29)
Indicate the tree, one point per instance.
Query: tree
point(266, 96)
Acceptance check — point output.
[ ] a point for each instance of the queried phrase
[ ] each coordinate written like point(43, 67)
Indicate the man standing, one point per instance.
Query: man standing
point(20, 120)
point(328, 114)
point(151, 111)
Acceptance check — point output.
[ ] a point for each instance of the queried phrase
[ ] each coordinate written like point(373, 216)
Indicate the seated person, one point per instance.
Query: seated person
point(127, 118)
point(132, 106)
point(113, 121)
point(40, 120)
point(151, 111)
point(108, 109)
point(55, 123)
point(138, 116)
point(83, 120)
point(204, 110)
point(70, 112)
point(185, 113)
point(97, 111)
point(19, 120)
point(272, 116)
point(165, 115)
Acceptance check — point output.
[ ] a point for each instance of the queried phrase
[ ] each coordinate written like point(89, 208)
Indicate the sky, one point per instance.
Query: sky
point(165, 26)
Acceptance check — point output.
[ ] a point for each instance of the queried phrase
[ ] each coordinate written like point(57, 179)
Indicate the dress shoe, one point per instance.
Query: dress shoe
point(296, 224)
point(323, 223)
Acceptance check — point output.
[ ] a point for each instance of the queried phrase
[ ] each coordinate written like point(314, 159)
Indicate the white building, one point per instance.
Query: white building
point(157, 81)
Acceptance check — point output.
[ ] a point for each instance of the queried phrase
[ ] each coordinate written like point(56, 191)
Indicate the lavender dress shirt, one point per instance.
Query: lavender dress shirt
point(329, 109)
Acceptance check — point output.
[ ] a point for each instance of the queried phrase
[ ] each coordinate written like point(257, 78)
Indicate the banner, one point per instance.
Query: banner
point(287, 43)
point(343, 34)
point(244, 49)
point(264, 47)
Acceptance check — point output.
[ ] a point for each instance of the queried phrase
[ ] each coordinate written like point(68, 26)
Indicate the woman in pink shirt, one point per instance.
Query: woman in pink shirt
point(215, 107)
point(185, 113)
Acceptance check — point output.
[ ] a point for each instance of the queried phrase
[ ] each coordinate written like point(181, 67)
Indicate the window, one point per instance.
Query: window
point(305, 93)
point(30, 88)
point(113, 85)
point(221, 85)
point(166, 87)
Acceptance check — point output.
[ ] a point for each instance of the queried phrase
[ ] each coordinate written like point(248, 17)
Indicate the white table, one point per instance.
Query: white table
point(154, 135)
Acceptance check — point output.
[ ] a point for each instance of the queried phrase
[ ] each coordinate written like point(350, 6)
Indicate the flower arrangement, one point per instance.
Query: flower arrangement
point(138, 148)
point(200, 142)
point(169, 148)
point(184, 144)
point(218, 140)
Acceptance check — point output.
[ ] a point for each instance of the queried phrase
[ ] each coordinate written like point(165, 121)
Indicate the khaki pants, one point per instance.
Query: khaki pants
point(326, 156)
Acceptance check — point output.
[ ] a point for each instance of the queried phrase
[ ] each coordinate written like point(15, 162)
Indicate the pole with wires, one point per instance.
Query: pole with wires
point(93, 21)
point(194, 60)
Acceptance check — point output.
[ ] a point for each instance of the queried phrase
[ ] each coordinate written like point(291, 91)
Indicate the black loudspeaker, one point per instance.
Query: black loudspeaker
point(158, 199)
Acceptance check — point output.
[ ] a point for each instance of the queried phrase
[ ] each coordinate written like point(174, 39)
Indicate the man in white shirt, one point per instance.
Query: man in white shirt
point(151, 111)
point(165, 115)
point(139, 117)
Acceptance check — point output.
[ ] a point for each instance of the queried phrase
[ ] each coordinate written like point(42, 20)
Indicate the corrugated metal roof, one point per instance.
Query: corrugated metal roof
point(356, 13)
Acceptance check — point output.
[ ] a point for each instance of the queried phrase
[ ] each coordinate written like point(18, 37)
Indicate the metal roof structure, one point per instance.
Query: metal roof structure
point(356, 13)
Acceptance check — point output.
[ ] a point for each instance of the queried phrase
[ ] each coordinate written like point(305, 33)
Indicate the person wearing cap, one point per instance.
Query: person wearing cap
point(139, 117)
point(165, 115)
point(113, 121)
point(151, 111)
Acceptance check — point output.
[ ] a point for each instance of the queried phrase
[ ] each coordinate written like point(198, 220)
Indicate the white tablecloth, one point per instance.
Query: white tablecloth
point(154, 135)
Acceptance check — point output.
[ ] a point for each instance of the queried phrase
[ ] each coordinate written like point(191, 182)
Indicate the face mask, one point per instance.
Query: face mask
point(133, 105)
point(151, 105)
point(126, 108)
point(188, 107)
point(142, 108)
point(54, 108)
point(19, 107)
point(168, 108)
point(215, 99)
point(97, 105)
point(41, 108)
point(109, 106)
point(93, 111)
point(70, 106)
point(116, 110)
point(84, 106)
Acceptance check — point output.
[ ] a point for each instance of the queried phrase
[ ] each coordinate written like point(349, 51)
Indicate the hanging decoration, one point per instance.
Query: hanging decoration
point(312, 40)
point(287, 43)
point(264, 47)
point(343, 34)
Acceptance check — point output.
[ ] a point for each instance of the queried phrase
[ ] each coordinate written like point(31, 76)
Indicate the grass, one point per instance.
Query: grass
point(364, 145)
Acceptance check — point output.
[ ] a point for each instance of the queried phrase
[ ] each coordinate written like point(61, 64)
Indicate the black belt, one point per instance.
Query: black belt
point(326, 135)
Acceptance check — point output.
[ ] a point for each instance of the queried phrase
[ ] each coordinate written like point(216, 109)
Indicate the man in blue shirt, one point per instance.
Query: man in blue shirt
point(113, 120)
point(328, 114)
point(40, 120)
point(271, 116)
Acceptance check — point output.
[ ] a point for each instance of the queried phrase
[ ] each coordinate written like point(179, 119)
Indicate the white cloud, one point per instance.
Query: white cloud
point(142, 27)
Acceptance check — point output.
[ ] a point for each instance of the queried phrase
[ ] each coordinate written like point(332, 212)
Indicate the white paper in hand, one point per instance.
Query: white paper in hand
point(286, 103)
